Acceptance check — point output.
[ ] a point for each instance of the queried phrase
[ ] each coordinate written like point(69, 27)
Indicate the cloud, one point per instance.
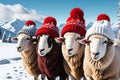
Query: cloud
point(8, 12)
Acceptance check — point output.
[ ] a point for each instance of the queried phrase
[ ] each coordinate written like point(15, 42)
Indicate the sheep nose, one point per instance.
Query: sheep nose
point(18, 49)
point(70, 50)
point(42, 50)
point(97, 53)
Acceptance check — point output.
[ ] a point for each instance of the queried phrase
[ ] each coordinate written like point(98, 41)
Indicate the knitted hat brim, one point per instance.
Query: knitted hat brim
point(73, 28)
point(96, 34)
point(48, 31)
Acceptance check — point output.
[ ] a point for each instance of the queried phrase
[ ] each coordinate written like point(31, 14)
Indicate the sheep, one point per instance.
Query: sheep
point(50, 59)
point(102, 52)
point(102, 65)
point(73, 53)
point(28, 54)
point(27, 47)
point(72, 50)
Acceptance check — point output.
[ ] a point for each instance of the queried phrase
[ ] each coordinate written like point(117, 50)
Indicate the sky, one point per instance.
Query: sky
point(59, 9)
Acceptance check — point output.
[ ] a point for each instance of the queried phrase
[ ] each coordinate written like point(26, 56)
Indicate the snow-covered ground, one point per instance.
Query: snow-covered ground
point(11, 67)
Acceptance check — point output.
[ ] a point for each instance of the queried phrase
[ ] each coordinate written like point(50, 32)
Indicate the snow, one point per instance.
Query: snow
point(14, 71)
point(11, 67)
point(8, 51)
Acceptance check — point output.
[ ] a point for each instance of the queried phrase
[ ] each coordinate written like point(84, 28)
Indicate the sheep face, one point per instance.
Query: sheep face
point(45, 44)
point(23, 42)
point(98, 46)
point(71, 43)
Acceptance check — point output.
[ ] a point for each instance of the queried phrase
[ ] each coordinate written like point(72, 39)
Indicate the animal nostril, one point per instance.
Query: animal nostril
point(42, 50)
point(96, 53)
point(18, 48)
point(70, 50)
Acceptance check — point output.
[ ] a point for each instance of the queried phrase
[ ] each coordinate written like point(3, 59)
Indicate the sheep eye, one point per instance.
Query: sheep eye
point(78, 38)
point(108, 42)
point(50, 41)
point(105, 42)
point(27, 38)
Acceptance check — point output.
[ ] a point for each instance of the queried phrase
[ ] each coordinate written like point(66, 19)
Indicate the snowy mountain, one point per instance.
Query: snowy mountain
point(13, 25)
point(16, 24)
point(10, 28)
point(38, 24)
point(115, 28)
point(6, 35)
point(89, 25)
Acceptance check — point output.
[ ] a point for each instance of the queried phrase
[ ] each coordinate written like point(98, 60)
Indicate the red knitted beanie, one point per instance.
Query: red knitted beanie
point(48, 27)
point(75, 23)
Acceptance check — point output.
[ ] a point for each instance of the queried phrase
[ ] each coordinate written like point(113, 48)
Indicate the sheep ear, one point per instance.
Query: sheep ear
point(109, 42)
point(59, 39)
point(84, 41)
point(14, 39)
point(34, 40)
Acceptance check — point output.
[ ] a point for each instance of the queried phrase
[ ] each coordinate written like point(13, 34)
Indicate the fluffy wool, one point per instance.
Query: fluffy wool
point(106, 68)
point(52, 63)
point(74, 64)
point(30, 62)
point(29, 59)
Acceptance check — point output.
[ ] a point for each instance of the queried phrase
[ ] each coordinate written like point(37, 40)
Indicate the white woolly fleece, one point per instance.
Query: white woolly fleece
point(101, 27)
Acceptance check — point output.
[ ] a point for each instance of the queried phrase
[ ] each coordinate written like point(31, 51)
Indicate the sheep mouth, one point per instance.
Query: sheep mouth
point(96, 58)
point(19, 49)
point(42, 52)
point(69, 52)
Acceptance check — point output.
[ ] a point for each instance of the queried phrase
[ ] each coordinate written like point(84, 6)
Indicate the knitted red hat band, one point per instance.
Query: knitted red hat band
point(48, 31)
point(73, 28)
point(76, 22)
point(50, 26)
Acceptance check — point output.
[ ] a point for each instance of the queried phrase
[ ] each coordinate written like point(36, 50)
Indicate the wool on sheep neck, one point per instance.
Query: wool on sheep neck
point(102, 63)
point(98, 67)
point(74, 64)
point(30, 62)
point(52, 63)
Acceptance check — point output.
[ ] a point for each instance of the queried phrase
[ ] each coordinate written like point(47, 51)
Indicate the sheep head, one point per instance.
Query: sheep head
point(71, 43)
point(24, 42)
point(45, 44)
point(98, 46)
